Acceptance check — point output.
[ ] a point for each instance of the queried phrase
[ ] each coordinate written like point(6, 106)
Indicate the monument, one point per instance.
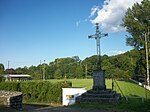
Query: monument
point(98, 74)
point(99, 93)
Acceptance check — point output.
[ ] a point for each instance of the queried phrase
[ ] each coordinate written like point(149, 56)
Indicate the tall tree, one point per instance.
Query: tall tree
point(137, 23)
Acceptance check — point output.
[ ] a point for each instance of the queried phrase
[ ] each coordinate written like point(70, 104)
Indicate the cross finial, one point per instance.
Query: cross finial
point(97, 36)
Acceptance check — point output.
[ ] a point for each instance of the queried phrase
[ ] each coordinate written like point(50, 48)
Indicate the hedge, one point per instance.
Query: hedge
point(10, 86)
point(37, 91)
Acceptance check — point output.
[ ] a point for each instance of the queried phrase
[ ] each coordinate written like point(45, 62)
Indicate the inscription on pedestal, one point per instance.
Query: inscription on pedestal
point(99, 80)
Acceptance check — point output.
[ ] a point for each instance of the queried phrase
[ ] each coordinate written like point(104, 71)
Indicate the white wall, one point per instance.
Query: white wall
point(70, 94)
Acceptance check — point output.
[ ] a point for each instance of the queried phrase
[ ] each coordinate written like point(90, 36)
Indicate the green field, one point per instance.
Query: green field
point(128, 88)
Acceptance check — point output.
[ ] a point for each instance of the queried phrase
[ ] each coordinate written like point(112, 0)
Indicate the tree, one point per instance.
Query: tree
point(10, 71)
point(137, 23)
point(79, 72)
point(51, 70)
point(76, 58)
point(19, 70)
point(2, 68)
point(34, 72)
point(58, 74)
point(1, 72)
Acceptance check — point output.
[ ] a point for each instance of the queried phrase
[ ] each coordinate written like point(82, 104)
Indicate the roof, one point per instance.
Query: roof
point(17, 75)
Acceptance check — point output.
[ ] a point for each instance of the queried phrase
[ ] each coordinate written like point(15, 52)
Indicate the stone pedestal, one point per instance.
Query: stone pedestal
point(99, 93)
point(99, 80)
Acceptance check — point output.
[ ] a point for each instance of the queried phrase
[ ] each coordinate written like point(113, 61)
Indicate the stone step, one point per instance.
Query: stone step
point(107, 91)
point(99, 96)
point(98, 100)
point(118, 96)
point(92, 95)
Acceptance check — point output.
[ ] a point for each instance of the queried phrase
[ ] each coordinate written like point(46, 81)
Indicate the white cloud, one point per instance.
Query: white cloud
point(115, 52)
point(111, 14)
point(94, 9)
point(78, 22)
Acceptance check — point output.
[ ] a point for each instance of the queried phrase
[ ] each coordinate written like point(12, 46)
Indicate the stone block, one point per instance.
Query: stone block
point(11, 99)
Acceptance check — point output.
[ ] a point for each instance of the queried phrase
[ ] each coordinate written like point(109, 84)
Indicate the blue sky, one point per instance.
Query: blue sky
point(34, 30)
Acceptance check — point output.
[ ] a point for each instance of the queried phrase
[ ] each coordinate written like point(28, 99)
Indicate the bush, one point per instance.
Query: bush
point(37, 91)
point(2, 78)
point(10, 86)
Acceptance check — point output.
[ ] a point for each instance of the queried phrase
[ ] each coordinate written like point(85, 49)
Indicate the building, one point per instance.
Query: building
point(17, 77)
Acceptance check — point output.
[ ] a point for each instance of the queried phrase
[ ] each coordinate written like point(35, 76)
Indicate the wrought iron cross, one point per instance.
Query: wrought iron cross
point(97, 36)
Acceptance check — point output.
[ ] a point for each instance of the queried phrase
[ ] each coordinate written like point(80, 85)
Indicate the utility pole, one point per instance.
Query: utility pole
point(40, 62)
point(146, 50)
point(97, 36)
point(41, 70)
point(8, 64)
point(44, 72)
point(86, 70)
point(112, 81)
point(65, 78)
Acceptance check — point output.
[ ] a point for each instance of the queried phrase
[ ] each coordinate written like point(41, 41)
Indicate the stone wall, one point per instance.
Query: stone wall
point(11, 99)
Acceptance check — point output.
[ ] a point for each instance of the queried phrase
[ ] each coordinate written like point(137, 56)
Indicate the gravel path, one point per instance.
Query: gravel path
point(43, 108)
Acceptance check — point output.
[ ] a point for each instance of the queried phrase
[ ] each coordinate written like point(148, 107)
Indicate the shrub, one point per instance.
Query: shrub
point(2, 78)
point(37, 91)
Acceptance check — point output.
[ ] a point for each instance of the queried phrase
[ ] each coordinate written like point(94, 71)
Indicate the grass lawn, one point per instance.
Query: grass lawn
point(128, 88)
point(119, 107)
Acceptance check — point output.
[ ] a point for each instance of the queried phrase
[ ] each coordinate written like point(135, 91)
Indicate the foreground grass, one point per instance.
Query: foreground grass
point(129, 89)
point(122, 106)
